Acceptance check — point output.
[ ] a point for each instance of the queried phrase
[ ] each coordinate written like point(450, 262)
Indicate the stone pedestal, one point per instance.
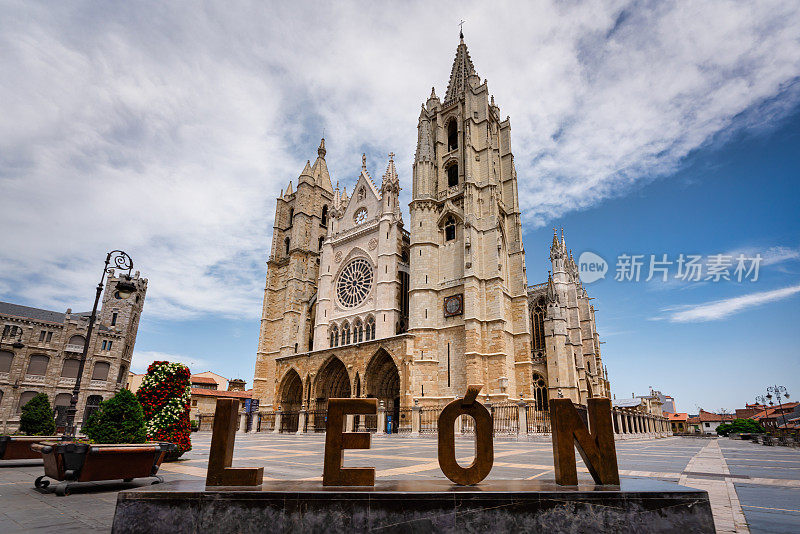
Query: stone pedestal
point(494, 506)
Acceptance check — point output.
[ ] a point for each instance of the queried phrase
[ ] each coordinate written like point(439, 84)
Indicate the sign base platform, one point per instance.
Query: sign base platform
point(493, 506)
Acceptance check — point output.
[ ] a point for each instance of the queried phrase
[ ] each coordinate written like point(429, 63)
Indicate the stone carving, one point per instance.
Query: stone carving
point(373, 244)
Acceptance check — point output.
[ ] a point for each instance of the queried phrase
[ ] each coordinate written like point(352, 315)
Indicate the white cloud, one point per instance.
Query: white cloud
point(143, 358)
point(167, 130)
point(712, 311)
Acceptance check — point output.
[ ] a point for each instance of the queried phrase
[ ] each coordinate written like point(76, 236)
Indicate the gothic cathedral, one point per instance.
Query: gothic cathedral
point(358, 305)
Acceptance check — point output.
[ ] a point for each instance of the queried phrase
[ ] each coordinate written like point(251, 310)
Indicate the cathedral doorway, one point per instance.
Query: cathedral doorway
point(332, 382)
point(382, 381)
point(291, 399)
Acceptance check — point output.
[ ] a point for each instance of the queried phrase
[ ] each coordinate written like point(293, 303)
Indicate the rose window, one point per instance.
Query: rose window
point(354, 283)
point(360, 216)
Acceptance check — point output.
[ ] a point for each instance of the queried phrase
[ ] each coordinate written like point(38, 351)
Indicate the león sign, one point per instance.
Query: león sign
point(596, 447)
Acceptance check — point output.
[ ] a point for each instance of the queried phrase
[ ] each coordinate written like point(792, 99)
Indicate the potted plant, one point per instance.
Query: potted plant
point(115, 448)
point(36, 423)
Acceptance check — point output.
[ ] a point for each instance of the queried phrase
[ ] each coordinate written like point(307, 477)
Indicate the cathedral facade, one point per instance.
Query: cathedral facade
point(357, 304)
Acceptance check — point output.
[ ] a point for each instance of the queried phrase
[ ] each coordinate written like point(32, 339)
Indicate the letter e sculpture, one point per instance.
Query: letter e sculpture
point(336, 440)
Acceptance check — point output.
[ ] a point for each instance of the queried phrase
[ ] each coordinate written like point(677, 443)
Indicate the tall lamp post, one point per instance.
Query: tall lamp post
point(778, 391)
point(125, 288)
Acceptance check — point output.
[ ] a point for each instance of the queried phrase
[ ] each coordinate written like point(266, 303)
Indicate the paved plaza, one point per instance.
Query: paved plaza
point(751, 486)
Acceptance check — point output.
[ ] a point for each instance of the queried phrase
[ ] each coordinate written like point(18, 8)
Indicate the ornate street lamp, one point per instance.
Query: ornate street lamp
point(778, 391)
point(125, 288)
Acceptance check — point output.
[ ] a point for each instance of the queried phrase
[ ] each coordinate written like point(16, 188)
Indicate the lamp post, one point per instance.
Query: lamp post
point(778, 391)
point(125, 288)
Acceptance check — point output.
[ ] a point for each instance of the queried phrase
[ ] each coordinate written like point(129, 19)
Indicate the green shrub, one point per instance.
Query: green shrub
point(740, 426)
point(118, 420)
point(195, 425)
point(37, 417)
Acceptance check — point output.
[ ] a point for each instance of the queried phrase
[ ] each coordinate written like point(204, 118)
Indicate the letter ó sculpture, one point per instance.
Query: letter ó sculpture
point(484, 448)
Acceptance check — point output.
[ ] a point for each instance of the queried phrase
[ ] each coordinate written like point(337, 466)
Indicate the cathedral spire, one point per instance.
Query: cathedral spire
point(462, 70)
point(391, 173)
point(321, 150)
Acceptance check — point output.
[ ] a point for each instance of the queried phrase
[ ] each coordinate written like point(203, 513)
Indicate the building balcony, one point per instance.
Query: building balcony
point(73, 348)
point(36, 379)
point(66, 382)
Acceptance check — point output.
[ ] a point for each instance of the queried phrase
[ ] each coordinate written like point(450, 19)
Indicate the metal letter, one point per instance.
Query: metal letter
point(484, 447)
point(220, 472)
point(336, 440)
point(597, 447)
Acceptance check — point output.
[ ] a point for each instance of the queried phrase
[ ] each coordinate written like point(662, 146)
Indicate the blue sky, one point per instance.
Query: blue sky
point(640, 127)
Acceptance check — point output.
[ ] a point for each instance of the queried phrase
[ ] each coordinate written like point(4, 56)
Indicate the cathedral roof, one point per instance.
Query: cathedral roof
point(461, 71)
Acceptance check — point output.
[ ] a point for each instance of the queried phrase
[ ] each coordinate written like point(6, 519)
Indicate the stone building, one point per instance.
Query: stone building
point(357, 304)
point(40, 351)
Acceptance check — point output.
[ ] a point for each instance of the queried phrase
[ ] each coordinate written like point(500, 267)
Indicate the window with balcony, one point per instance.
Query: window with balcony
point(6, 359)
point(70, 368)
point(37, 365)
point(24, 399)
point(100, 371)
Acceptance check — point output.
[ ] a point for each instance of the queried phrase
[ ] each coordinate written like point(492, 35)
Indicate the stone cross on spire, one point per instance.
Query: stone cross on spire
point(461, 29)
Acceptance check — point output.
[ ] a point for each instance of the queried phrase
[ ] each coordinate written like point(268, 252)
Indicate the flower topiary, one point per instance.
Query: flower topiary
point(37, 417)
point(120, 419)
point(164, 396)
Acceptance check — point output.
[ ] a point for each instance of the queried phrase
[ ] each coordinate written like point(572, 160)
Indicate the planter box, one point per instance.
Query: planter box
point(19, 447)
point(70, 462)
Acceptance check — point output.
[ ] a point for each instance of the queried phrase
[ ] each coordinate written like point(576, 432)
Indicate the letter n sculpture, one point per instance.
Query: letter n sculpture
point(220, 472)
point(596, 447)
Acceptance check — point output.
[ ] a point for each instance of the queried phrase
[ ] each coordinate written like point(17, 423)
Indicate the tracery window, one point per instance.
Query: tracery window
point(354, 283)
point(450, 229)
point(539, 392)
point(537, 328)
point(370, 328)
point(334, 336)
point(345, 334)
point(360, 216)
point(358, 331)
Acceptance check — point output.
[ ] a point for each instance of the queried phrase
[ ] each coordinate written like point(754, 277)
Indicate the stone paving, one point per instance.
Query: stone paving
point(750, 486)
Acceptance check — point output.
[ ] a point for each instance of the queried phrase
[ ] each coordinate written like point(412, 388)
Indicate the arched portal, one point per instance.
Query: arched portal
point(332, 381)
point(290, 394)
point(382, 381)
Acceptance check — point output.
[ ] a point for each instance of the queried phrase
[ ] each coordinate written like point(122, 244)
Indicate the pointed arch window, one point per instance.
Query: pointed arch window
point(345, 334)
point(537, 328)
point(452, 175)
point(452, 135)
point(370, 328)
point(358, 332)
point(334, 336)
point(324, 218)
point(539, 392)
point(450, 228)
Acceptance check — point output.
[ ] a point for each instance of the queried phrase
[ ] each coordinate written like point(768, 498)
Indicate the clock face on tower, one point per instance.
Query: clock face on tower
point(453, 305)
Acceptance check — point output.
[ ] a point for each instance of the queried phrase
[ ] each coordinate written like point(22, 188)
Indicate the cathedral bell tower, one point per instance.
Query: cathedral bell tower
point(468, 309)
point(287, 320)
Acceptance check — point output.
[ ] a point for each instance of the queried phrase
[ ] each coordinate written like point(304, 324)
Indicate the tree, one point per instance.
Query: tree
point(740, 426)
point(120, 419)
point(164, 396)
point(37, 417)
